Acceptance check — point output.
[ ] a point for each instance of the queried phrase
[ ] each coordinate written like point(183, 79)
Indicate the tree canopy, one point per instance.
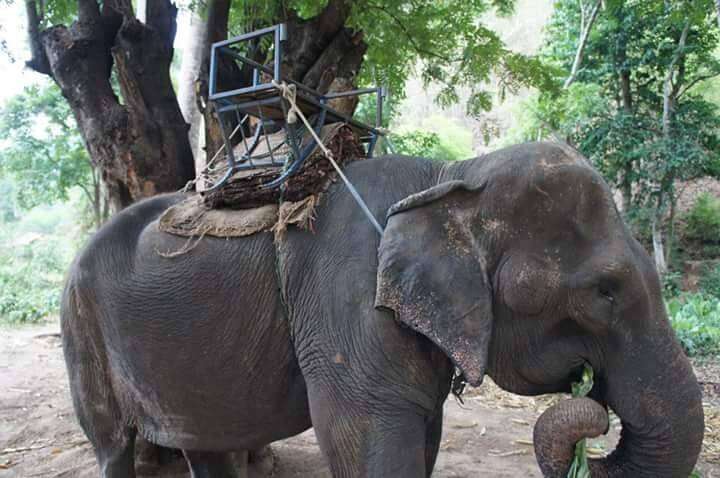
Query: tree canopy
point(41, 149)
point(445, 41)
point(634, 106)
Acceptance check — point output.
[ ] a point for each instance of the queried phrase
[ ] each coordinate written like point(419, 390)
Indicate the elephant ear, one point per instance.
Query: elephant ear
point(432, 274)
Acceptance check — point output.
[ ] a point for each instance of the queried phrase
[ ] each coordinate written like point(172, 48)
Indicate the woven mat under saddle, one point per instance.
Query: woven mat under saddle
point(244, 189)
point(192, 218)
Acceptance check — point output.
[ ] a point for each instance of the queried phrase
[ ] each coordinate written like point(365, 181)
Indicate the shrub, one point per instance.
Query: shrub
point(672, 283)
point(696, 320)
point(703, 219)
point(30, 280)
point(35, 252)
point(709, 282)
point(416, 143)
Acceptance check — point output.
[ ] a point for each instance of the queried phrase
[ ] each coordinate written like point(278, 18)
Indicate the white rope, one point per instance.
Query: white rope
point(222, 147)
point(289, 93)
point(204, 174)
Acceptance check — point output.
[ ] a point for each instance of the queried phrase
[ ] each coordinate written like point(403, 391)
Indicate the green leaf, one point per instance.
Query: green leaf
point(579, 467)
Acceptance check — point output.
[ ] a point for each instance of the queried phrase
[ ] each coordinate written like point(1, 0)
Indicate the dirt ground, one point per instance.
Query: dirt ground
point(490, 435)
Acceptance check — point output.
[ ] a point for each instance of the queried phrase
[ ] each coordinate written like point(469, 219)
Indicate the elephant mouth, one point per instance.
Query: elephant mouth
point(597, 394)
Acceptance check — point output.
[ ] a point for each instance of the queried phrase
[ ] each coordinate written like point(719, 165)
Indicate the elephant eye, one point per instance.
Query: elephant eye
point(606, 294)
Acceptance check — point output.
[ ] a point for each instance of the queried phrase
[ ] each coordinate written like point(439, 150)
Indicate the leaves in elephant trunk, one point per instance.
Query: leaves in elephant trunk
point(579, 467)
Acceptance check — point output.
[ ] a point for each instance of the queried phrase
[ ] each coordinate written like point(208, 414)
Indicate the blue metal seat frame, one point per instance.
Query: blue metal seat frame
point(264, 102)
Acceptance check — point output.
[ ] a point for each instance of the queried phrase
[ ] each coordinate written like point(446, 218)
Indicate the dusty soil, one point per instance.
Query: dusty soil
point(487, 436)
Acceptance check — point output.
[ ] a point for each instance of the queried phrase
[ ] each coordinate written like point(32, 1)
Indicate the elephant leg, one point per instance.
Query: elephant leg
point(399, 451)
point(96, 407)
point(432, 441)
point(360, 441)
point(117, 458)
point(205, 464)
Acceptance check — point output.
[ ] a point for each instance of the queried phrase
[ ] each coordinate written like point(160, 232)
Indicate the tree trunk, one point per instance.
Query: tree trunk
point(670, 92)
point(626, 188)
point(192, 56)
point(141, 8)
point(672, 86)
point(626, 91)
point(671, 230)
point(139, 144)
point(657, 237)
point(97, 200)
point(218, 14)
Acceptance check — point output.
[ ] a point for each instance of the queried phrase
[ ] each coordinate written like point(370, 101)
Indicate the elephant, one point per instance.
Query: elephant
point(516, 264)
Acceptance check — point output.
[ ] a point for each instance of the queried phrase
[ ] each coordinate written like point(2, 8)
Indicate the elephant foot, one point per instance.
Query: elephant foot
point(151, 458)
point(254, 463)
point(261, 463)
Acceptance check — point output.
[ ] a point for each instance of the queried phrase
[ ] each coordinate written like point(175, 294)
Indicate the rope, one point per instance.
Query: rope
point(209, 166)
point(289, 92)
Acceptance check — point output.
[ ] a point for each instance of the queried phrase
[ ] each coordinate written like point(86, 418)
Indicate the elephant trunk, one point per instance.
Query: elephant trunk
point(561, 427)
point(662, 421)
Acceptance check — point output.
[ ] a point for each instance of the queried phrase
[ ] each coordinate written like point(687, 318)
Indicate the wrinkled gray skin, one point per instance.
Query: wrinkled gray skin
point(516, 265)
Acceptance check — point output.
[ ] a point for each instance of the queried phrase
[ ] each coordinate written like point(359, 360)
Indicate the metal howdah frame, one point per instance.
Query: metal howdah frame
point(264, 101)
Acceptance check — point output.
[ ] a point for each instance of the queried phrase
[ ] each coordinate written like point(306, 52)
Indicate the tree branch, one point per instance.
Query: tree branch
point(88, 10)
point(670, 90)
point(585, 30)
point(124, 7)
point(38, 59)
point(161, 15)
point(87, 192)
point(408, 35)
point(697, 80)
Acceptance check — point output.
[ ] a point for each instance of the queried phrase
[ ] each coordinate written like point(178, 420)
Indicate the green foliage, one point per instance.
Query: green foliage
point(35, 252)
point(696, 320)
point(634, 42)
point(55, 12)
point(8, 205)
point(579, 467)
point(41, 151)
point(443, 41)
point(703, 219)
point(367, 109)
point(672, 283)
point(29, 285)
point(709, 282)
point(430, 144)
point(416, 143)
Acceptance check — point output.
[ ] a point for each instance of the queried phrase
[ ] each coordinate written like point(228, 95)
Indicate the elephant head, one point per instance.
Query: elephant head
point(519, 265)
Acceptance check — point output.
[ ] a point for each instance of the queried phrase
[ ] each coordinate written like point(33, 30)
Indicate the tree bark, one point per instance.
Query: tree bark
point(141, 7)
point(192, 56)
point(626, 91)
point(139, 144)
point(218, 14)
point(657, 236)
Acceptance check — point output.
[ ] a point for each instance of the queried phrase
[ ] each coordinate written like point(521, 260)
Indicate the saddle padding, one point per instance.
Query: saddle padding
point(193, 218)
